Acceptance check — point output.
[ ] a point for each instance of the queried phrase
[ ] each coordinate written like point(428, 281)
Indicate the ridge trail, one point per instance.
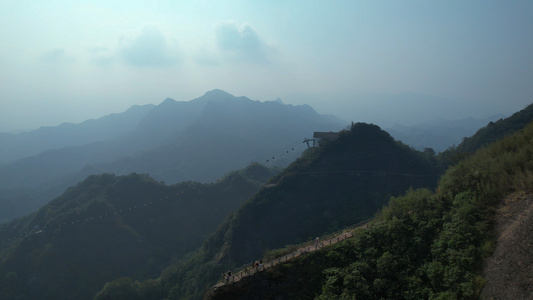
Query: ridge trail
point(307, 247)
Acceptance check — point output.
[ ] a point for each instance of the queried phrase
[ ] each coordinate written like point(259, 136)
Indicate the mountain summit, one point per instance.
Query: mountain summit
point(201, 140)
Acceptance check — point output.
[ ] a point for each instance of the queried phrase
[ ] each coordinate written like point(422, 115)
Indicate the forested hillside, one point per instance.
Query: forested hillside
point(113, 233)
point(329, 187)
point(422, 245)
point(112, 226)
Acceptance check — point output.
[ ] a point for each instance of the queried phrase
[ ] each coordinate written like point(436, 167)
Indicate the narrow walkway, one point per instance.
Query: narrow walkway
point(249, 270)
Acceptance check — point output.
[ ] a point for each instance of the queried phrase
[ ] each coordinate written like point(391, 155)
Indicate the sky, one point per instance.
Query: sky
point(68, 61)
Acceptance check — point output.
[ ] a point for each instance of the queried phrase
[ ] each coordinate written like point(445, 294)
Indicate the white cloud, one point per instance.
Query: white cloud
point(240, 43)
point(150, 48)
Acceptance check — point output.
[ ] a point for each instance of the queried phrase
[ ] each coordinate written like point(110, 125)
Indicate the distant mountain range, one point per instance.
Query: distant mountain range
point(108, 226)
point(439, 134)
point(16, 146)
point(327, 189)
point(175, 141)
point(200, 139)
point(336, 185)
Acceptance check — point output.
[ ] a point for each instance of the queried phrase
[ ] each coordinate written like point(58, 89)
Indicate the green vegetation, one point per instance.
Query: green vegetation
point(428, 240)
point(331, 187)
point(113, 226)
point(426, 245)
point(422, 245)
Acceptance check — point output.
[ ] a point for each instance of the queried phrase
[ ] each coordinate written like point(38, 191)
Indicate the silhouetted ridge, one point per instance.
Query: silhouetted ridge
point(426, 244)
point(201, 140)
point(340, 183)
point(168, 101)
point(216, 94)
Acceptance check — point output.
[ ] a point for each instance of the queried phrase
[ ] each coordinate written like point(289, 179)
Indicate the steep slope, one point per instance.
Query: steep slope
point(111, 226)
point(427, 245)
point(346, 182)
point(199, 140)
point(339, 184)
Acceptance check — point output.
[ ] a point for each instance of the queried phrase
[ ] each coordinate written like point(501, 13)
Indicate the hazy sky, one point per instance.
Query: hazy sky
point(73, 60)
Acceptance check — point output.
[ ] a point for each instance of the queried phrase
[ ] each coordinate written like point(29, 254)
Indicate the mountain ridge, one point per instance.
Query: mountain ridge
point(110, 226)
point(338, 184)
point(28, 143)
point(429, 244)
point(165, 145)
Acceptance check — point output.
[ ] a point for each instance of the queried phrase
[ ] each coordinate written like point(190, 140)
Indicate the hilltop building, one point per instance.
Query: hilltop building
point(321, 137)
point(325, 136)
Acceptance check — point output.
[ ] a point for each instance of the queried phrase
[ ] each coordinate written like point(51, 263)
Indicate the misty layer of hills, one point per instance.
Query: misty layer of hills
point(126, 229)
point(439, 134)
point(16, 146)
point(422, 246)
point(110, 226)
point(199, 140)
point(429, 244)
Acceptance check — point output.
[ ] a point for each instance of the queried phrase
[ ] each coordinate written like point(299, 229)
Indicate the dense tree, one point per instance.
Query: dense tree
point(422, 245)
point(340, 183)
point(112, 226)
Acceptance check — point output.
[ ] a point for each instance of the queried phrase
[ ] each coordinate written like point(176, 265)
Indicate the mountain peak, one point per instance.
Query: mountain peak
point(216, 93)
point(168, 101)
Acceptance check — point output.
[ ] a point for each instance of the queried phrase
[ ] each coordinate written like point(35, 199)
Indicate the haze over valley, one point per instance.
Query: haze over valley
point(278, 150)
